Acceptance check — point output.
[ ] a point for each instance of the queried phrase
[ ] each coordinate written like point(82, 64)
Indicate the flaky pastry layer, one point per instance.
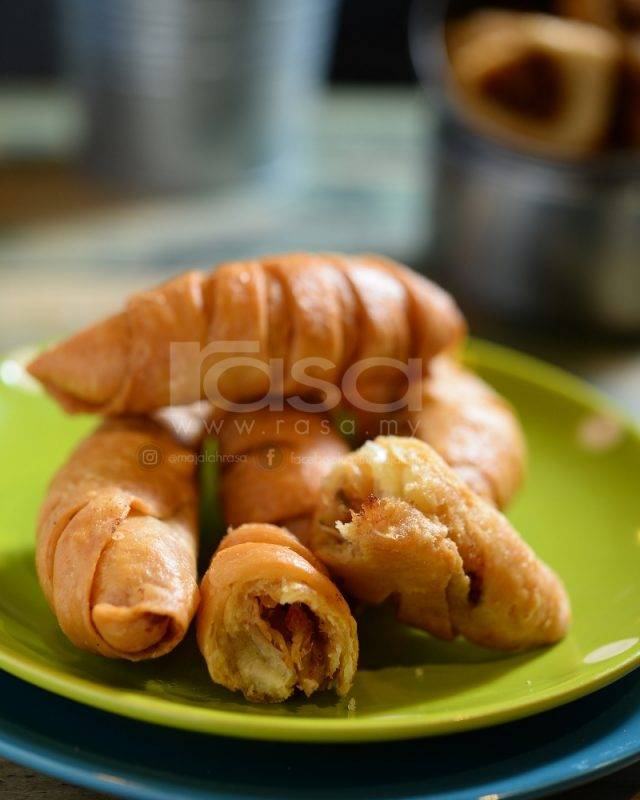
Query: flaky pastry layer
point(117, 541)
point(396, 521)
point(271, 621)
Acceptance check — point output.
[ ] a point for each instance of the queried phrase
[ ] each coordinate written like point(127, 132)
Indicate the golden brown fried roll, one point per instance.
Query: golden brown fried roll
point(467, 423)
point(290, 307)
point(407, 527)
point(117, 540)
point(621, 17)
point(473, 429)
point(536, 81)
point(274, 463)
point(271, 621)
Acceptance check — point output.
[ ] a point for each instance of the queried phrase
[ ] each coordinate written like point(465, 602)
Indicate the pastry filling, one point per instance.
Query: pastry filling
point(531, 86)
point(345, 505)
point(294, 630)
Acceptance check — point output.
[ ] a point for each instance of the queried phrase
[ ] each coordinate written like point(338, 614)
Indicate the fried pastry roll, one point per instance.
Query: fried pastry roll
point(173, 345)
point(536, 81)
point(473, 429)
point(621, 17)
point(467, 423)
point(395, 521)
point(117, 540)
point(273, 466)
point(271, 621)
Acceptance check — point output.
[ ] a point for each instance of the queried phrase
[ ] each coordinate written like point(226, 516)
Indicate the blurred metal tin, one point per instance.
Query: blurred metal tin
point(522, 238)
point(195, 94)
point(528, 239)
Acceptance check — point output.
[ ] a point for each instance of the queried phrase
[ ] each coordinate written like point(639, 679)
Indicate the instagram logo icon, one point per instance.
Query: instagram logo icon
point(149, 456)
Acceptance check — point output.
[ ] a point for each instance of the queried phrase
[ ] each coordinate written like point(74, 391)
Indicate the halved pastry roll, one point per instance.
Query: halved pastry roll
point(271, 621)
point(274, 463)
point(536, 81)
point(117, 540)
point(467, 423)
point(396, 521)
point(218, 335)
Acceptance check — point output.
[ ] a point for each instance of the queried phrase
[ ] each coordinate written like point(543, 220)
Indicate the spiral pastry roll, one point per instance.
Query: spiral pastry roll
point(274, 464)
point(536, 81)
point(395, 521)
point(271, 621)
point(117, 540)
point(468, 424)
point(221, 335)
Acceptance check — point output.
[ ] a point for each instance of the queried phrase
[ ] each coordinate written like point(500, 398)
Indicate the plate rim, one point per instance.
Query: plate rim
point(73, 767)
point(243, 726)
point(380, 726)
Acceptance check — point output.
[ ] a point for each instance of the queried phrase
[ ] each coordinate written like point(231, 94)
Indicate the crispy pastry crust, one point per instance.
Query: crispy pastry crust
point(474, 430)
point(271, 621)
point(290, 307)
point(282, 460)
point(117, 540)
point(409, 528)
point(467, 423)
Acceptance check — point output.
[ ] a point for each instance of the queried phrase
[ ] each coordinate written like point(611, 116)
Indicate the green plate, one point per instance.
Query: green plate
point(580, 510)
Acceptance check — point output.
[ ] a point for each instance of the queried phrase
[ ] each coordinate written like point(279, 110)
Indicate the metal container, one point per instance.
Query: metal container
point(195, 93)
point(523, 238)
point(530, 239)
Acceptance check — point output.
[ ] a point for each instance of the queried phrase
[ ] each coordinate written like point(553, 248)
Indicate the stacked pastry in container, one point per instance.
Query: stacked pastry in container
point(291, 352)
point(565, 85)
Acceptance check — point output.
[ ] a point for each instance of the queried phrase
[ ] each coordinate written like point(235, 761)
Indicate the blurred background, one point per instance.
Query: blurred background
point(497, 154)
